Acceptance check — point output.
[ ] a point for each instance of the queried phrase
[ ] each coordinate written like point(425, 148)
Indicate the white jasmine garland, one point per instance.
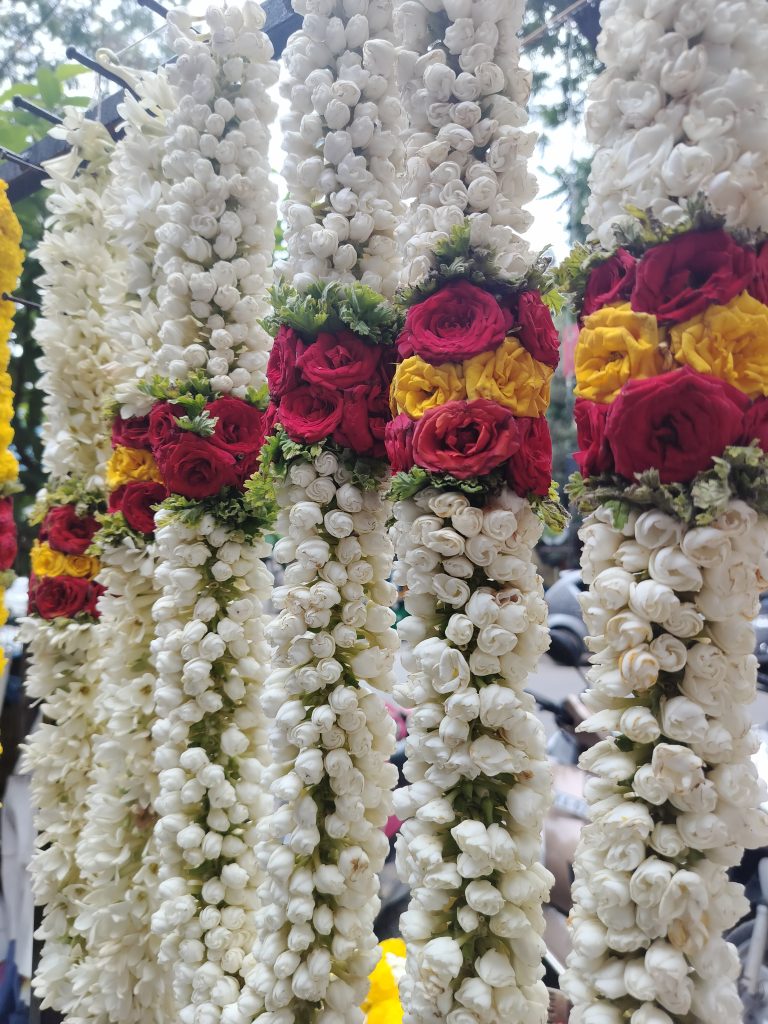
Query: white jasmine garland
point(675, 798)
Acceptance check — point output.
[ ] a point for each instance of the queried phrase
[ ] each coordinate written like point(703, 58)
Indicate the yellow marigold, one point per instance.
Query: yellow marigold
point(128, 464)
point(419, 386)
point(616, 345)
point(510, 376)
point(11, 254)
point(9, 467)
point(382, 1005)
point(729, 342)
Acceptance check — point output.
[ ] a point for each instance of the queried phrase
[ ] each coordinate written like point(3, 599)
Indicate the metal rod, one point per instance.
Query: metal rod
point(16, 159)
point(32, 108)
point(154, 6)
point(74, 54)
point(558, 20)
point(20, 302)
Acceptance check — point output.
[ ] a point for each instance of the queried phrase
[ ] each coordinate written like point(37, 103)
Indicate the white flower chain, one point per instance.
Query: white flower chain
point(120, 977)
point(673, 113)
point(479, 779)
point(209, 655)
point(342, 139)
point(331, 737)
point(466, 144)
point(675, 798)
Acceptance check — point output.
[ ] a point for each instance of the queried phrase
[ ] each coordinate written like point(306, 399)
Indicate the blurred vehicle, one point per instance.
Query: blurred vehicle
point(568, 631)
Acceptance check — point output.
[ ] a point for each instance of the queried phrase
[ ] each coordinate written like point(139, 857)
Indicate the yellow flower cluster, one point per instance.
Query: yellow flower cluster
point(382, 1005)
point(729, 342)
point(508, 375)
point(127, 464)
point(46, 561)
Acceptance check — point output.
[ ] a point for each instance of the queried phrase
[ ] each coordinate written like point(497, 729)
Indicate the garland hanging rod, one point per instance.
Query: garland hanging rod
point(93, 65)
point(32, 108)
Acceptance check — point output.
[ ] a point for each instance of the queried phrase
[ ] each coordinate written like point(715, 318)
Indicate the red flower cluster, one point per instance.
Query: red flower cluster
point(58, 597)
point(335, 387)
point(8, 544)
point(68, 532)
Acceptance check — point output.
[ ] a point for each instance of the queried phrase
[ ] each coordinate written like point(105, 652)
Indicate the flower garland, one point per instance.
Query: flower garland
point(329, 373)
point(194, 425)
point(472, 456)
point(671, 408)
point(11, 260)
point(672, 115)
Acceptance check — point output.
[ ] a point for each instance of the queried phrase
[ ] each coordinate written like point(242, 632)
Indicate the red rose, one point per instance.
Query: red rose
point(758, 286)
point(59, 597)
point(675, 423)
point(338, 361)
point(456, 323)
point(534, 327)
point(163, 428)
point(239, 427)
point(196, 467)
point(756, 424)
point(271, 417)
point(529, 471)
point(8, 540)
point(309, 413)
point(364, 417)
point(6, 513)
point(465, 439)
point(680, 278)
point(594, 456)
point(611, 281)
point(398, 438)
point(282, 374)
point(135, 501)
point(132, 432)
point(404, 344)
point(68, 532)
point(95, 590)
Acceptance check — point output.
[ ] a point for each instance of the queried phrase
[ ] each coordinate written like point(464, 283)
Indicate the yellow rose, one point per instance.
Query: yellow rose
point(616, 345)
point(9, 467)
point(388, 1012)
point(81, 566)
point(510, 376)
point(129, 464)
point(383, 983)
point(729, 342)
point(419, 386)
point(47, 562)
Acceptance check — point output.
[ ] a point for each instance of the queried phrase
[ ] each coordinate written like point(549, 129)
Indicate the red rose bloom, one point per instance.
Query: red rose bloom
point(756, 424)
point(338, 361)
point(271, 418)
point(135, 501)
point(239, 427)
point(465, 439)
point(611, 281)
point(364, 416)
point(163, 428)
point(456, 323)
point(529, 471)
point(6, 513)
point(535, 329)
point(758, 286)
point(675, 423)
point(282, 375)
point(95, 590)
point(8, 541)
point(404, 344)
point(680, 278)
point(59, 597)
point(309, 413)
point(594, 456)
point(196, 467)
point(398, 438)
point(132, 432)
point(68, 532)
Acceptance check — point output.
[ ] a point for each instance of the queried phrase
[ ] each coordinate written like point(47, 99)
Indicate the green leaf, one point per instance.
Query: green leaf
point(66, 71)
point(50, 87)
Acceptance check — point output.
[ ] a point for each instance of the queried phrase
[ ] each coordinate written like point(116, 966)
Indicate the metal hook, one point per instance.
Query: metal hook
point(32, 108)
point(74, 54)
point(6, 297)
point(154, 6)
point(16, 159)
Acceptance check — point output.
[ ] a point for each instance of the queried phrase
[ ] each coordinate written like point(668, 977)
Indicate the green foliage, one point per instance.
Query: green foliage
point(48, 89)
point(65, 492)
point(250, 514)
point(741, 472)
point(112, 532)
point(334, 307)
point(280, 451)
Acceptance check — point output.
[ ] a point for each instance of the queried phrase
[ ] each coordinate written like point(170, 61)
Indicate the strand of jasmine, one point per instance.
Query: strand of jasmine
point(341, 136)
point(675, 796)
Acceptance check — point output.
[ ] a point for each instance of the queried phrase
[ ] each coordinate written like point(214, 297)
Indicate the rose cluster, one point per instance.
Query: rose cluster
point(672, 114)
point(321, 848)
point(335, 387)
point(479, 781)
point(675, 796)
point(466, 145)
point(672, 357)
point(8, 539)
point(472, 385)
point(342, 139)
point(62, 581)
